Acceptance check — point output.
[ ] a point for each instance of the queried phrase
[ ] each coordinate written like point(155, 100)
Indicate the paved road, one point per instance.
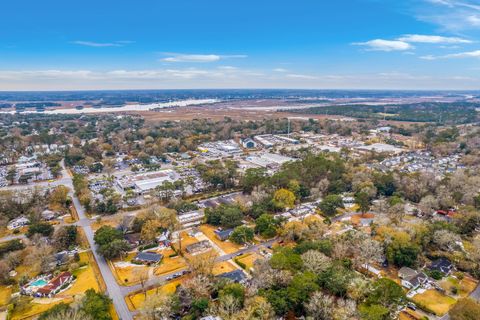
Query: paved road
point(113, 289)
point(154, 281)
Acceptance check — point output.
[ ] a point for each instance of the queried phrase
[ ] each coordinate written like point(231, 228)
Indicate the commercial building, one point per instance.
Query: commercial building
point(145, 182)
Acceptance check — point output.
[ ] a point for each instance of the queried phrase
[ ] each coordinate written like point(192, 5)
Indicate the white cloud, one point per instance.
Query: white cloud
point(419, 38)
point(467, 54)
point(385, 45)
point(199, 58)
point(280, 70)
point(474, 20)
point(190, 78)
point(102, 44)
point(300, 76)
point(451, 15)
point(227, 68)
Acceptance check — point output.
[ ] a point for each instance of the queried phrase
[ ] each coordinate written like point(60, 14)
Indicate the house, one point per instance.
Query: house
point(48, 215)
point(236, 276)
point(198, 247)
point(164, 239)
point(442, 265)
point(55, 285)
point(406, 273)
point(418, 280)
point(191, 218)
point(18, 223)
point(447, 215)
point(249, 143)
point(148, 258)
point(133, 239)
point(223, 234)
point(61, 258)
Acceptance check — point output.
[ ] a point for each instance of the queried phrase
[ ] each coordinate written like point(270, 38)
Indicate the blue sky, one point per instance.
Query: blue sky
point(150, 44)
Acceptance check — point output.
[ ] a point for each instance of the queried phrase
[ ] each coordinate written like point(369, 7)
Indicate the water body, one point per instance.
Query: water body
point(128, 107)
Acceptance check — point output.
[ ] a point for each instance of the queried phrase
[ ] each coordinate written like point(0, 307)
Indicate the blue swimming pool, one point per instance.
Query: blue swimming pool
point(38, 283)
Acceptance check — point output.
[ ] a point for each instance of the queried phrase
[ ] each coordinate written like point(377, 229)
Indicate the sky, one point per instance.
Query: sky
point(311, 44)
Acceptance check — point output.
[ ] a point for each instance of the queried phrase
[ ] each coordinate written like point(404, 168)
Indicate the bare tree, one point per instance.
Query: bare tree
point(446, 240)
point(158, 306)
point(428, 204)
point(315, 261)
point(320, 306)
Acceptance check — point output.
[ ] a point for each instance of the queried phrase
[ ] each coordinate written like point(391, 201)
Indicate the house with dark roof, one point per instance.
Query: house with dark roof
point(236, 276)
point(55, 285)
point(61, 258)
point(418, 280)
point(148, 258)
point(442, 265)
point(223, 234)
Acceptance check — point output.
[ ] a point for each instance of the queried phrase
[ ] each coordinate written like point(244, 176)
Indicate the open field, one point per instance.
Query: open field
point(434, 301)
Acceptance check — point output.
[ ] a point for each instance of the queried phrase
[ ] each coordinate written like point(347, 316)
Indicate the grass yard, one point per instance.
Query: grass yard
point(463, 287)
point(409, 315)
point(248, 259)
point(135, 301)
point(186, 240)
point(113, 313)
point(5, 294)
point(434, 301)
point(36, 307)
point(104, 222)
point(130, 275)
point(227, 246)
point(170, 264)
point(222, 267)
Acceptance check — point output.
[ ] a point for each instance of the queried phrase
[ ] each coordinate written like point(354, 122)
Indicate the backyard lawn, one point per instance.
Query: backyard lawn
point(87, 277)
point(434, 301)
